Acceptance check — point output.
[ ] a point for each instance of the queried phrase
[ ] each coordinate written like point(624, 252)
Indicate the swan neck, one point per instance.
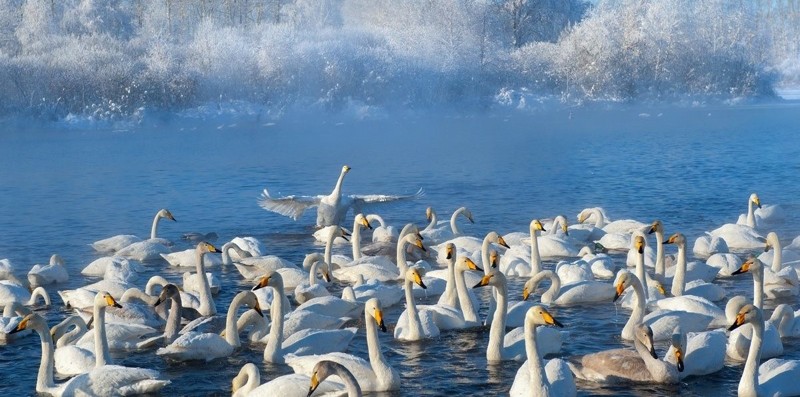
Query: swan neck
point(777, 258)
point(152, 282)
point(453, 224)
point(102, 355)
point(654, 366)
point(464, 301)
point(640, 273)
point(660, 267)
point(154, 228)
point(355, 240)
point(536, 258)
point(376, 359)
point(433, 222)
point(751, 214)
point(207, 307)
point(555, 287)
point(601, 220)
point(451, 294)
point(274, 351)
point(173, 319)
point(44, 379)
point(758, 288)
point(413, 315)
point(538, 380)
point(312, 273)
point(402, 265)
point(637, 315)
point(749, 381)
point(494, 351)
point(337, 190)
point(329, 248)
point(350, 382)
point(231, 328)
point(39, 292)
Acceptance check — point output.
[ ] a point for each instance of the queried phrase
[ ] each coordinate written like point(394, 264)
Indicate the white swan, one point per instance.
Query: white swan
point(413, 324)
point(104, 380)
point(314, 288)
point(772, 378)
point(54, 272)
point(69, 359)
point(749, 219)
point(113, 268)
point(739, 237)
point(13, 292)
point(145, 250)
point(207, 306)
point(187, 258)
point(120, 241)
point(209, 346)
point(247, 382)
point(727, 263)
point(581, 292)
point(787, 320)
point(515, 262)
point(699, 274)
point(779, 281)
point(617, 233)
point(436, 233)
point(12, 315)
point(707, 245)
point(662, 322)
point(332, 208)
point(623, 365)
point(304, 342)
point(657, 228)
point(534, 378)
point(382, 233)
point(374, 375)
point(602, 265)
point(193, 284)
point(704, 352)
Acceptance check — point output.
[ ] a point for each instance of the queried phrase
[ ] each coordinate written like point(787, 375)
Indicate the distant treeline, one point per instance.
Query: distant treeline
point(111, 58)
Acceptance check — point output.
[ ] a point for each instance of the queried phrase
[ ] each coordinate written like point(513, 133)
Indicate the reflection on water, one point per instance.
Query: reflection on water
point(691, 168)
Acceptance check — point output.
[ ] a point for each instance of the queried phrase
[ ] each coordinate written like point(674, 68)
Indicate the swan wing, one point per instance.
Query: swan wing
point(610, 366)
point(779, 377)
point(294, 385)
point(196, 346)
point(318, 341)
point(291, 206)
point(359, 201)
point(115, 380)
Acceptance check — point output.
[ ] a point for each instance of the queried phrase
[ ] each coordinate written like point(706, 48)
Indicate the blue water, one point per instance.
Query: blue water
point(693, 168)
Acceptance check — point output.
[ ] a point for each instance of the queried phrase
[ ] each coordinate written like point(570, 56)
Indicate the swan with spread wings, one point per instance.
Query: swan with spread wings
point(331, 208)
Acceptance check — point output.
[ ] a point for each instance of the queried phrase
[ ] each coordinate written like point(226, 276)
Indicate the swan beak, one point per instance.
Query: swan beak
point(618, 293)
point(745, 268)
point(257, 308)
point(757, 202)
point(366, 224)
point(671, 239)
point(739, 321)
point(21, 326)
point(314, 384)
point(428, 214)
point(525, 293)
point(502, 242)
point(639, 244)
point(679, 357)
point(326, 276)
point(653, 352)
point(449, 252)
point(158, 301)
point(211, 248)
point(484, 281)
point(418, 243)
point(661, 289)
point(550, 320)
point(470, 219)
point(110, 301)
point(652, 229)
point(418, 280)
point(472, 266)
point(345, 233)
point(263, 282)
point(493, 260)
point(767, 247)
point(379, 319)
point(582, 217)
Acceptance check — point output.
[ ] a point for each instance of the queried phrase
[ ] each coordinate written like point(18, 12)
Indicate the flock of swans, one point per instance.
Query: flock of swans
point(291, 313)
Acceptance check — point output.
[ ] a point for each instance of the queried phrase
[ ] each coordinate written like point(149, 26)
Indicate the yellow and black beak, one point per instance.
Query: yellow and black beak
point(671, 239)
point(639, 244)
point(620, 288)
point(484, 281)
point(326, 276)
point(212, 248)
point(262, 282)
point(257, 308)
point(757, 202)
point(502, 242)
point(525, 293)
point(158, 301)
point(379, 319)
point(738, 322)
point(418, 280)
point(745, 268)
point(652, 229)
point(419, 245)
point(170, 217)
point(314, 384)
point(493, 260)
point(449, 252)
point(366, 224)
point(550, 320)
point(23, 325)
point(110, 301)
point(767, 247)
point(345, 234)
point(472, 266)
point(679, 357)
point(429, 214)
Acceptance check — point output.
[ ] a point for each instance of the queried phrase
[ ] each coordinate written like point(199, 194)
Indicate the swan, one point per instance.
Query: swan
point(169, 293)
point(383, 232)
point(739, 237)
point(187, 258)
point(113, 268)
point(617, 233)
point(375, 375)
point(209, 346)
point(120, 241)
point(623, 365)
point(12, 315)
point(704, 353)
point(413, 324)
point(145, 250)
point(787, 320)
point(514, 262)
point(774, 377)
point(314, 288)
point(188, 301)
point(55, 272)
point(331, 209)
point(756, 214)
point(13, 292)
point(534, 378)
point(379, 271)
point(779, 281)
point(727, 263)
point(304, 342)
point(437, 234)
point(252, 266)
point(581, 292)
point(247, 382)
point(699, 274)
point(553, 245)
point(103, 380)
point(602, 265)
point(657, 228)
point(193, 284)
point(207, 306)
point(707, 245)
point(662, 322)
point(70, 359)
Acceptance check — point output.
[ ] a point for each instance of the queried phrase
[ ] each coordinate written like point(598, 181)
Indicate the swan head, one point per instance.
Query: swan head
point(536, 226)
point(450, 249)
point(624, 279)
point(429, 213)
point(249, 298)
point(540, 316)
point(414, 240)
point(339, 232)
point(494, 279)
point(656, 227)
point(31, 321)
point(677, 239)
point(464, 263)
point(345, 169)
point(747, 314)
point(497, 239)
point(271, 279)
point(362, 221)
point(467, 213)
point(752, 264)
point(56, 259)
point(104, 299)
point(164, 213)
point(206, 248)
point(772, 241)
point(644, 335)
point(373, 308)
point(241, 379)
point(167, 292)
point(528, 288)
point(494, 258)
point(678, 341)
point(638, 243)
point(414, 274)
point(755, 200)
point(322, 370)
point(561, 220)
point(312, 258)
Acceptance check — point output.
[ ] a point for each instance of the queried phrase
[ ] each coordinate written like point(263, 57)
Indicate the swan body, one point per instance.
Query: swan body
point(71, 360)
point(786, 320)
point(118, 242)
point(113, 268)
point(622, 365)
point(12, 315)
point(12, 292)
point(602, 265)
point(534, 378)
point(739, 237)
point(374, 375)
point(726, 263)
point(314, 288)
point(438, 234)
point(704, 354)
point(54, 272)
point(247, 382)
point(779, 281)
point(699, 276)
point(708, 245)
point(187, 258)
point(366, 290)
point(145, 250)
point(209, 346)
point(414, 324)
point(332, 208)
point(192, 283)
point(772, 378)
